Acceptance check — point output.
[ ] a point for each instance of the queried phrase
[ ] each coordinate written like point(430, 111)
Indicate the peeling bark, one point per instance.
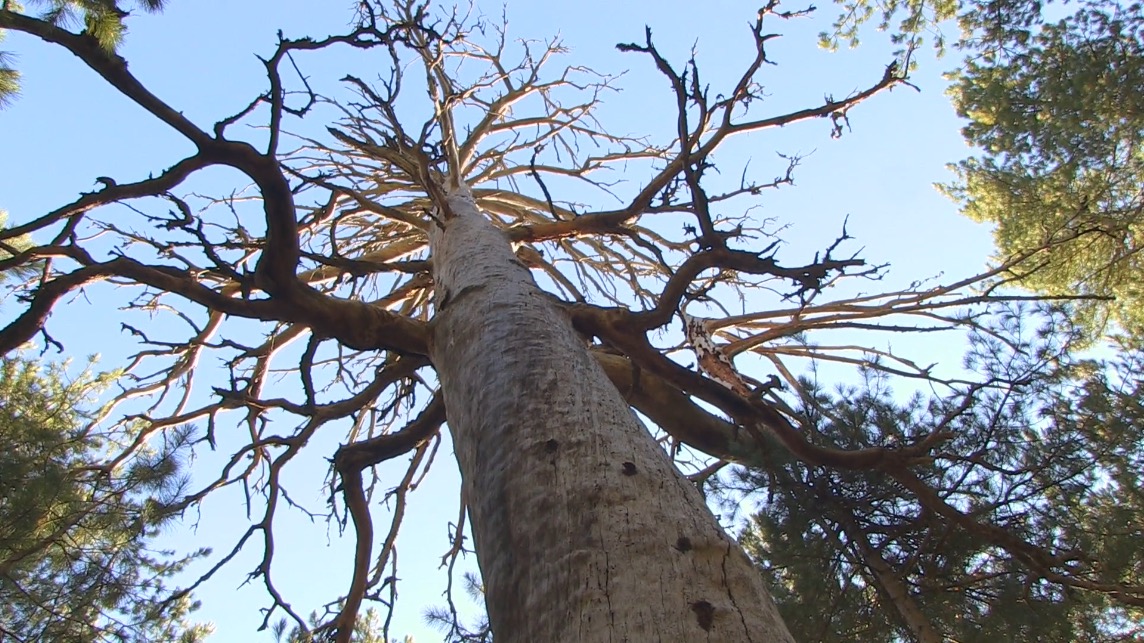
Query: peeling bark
point(584, 529)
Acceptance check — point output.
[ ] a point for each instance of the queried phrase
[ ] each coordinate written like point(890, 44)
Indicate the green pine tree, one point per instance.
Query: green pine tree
point(75, 559)
point(1059, 120)
point(1056, 118)
point(1053, 454)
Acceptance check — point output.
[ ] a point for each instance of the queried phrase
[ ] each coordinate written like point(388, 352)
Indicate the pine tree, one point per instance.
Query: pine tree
point(1059, 127)
point(1055, 121)
point(75, 560)
point(1049, 450)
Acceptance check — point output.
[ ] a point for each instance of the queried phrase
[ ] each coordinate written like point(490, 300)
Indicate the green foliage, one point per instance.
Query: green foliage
point(101, 19)
point(1053, 454)
point(446, 620)
point(1055, 109)
point(912, 18)
point(74, 558)
point(9, 248)
point(1060, 123)
point(983, 25)
point(9, 77)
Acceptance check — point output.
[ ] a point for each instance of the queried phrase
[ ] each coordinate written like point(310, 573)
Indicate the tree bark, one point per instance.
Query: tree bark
point(584, 529)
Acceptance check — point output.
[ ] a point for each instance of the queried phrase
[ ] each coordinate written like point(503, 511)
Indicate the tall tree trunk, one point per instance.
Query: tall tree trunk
point(584, 529)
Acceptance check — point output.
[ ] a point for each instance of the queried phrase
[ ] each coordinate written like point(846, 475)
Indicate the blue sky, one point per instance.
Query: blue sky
point(68, 127)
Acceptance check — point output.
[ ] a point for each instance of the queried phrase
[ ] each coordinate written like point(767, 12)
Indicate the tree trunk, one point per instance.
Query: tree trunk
point(584, 529)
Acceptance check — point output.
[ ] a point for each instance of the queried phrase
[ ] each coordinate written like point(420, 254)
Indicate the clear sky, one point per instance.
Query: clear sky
point(68, 127)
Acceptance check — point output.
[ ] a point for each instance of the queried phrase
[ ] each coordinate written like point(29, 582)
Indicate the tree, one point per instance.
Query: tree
point(1058, 172)
point(75, 564)
point(400, 255)
point(1057, 130)
point(74, 558)
point(1061, 163)
point(1049, 451)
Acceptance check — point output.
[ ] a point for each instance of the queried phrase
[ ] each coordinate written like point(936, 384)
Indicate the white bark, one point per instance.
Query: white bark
point(584, 529)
